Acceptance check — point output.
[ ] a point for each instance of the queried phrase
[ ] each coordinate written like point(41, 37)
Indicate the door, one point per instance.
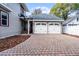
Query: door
point(54, 27)
point(40, 27)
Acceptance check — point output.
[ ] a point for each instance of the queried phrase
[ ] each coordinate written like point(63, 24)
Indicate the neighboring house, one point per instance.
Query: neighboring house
point(10, 23)
point(71, 25)
point(44, 24)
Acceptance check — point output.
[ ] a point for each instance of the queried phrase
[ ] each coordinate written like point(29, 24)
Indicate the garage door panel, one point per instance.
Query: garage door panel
point(47, 27)
point(54, 27)
point(41, 28)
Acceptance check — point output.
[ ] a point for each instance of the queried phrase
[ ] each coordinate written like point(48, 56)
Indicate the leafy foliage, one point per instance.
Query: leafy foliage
point(62, 9)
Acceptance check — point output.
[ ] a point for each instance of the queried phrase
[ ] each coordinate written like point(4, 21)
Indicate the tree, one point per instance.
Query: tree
point(62, 9)
point(75, 6)
point(37, 11)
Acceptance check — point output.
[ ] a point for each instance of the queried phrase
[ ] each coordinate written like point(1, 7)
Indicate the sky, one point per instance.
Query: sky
point(45, 7)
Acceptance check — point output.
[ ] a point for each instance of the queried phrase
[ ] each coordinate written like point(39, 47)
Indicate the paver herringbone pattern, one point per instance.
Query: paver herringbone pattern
point(46, 45)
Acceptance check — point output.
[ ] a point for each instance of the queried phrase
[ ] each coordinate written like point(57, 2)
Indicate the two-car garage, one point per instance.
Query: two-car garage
point(47, 27)
point(46, 24)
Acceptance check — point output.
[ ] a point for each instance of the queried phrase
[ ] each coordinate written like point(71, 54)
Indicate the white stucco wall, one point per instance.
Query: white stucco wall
point(14, 22)
point(74, 30)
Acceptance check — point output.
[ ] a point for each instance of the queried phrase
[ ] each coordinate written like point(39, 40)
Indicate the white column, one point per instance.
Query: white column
point(28, 26)
point(61, 28)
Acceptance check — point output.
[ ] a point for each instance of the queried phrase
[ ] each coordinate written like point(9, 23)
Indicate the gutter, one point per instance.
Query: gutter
point(5, 7)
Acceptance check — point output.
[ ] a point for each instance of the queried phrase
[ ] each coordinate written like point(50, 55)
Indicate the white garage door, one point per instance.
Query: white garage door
point(47, 27)
point(41, 27)
point(54, 27)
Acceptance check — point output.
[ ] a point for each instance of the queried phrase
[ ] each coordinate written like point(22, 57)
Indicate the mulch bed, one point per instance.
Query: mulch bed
point(12, 41)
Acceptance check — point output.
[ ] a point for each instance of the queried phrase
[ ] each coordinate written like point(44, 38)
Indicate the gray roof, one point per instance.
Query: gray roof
point(45, 17)
point(71, 11)
point(69, 19)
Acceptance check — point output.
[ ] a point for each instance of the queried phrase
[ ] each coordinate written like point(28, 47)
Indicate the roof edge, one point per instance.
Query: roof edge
point(24, 6)
point(4, 6)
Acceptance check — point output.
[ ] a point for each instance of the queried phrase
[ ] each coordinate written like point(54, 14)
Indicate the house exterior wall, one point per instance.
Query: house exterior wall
point(72, 29)
point(14, 27)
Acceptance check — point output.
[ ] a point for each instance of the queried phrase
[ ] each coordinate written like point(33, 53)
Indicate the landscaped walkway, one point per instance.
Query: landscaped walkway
point(55, 44)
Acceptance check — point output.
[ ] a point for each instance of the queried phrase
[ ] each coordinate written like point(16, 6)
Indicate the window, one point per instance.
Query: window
point(4, 19)
point(56, 24)
point(43, 24)
point(65, 25)
point(51, 24)
point(72, 24)
point(38, 24)
point(77, 19)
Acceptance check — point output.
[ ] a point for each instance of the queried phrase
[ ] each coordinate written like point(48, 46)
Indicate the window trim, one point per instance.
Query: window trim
point(1, 18)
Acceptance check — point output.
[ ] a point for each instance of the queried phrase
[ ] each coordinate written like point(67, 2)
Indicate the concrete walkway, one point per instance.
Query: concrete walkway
point(46, 45)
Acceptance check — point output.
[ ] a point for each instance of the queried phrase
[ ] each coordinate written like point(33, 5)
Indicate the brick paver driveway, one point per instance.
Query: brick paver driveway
point(46, 45)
